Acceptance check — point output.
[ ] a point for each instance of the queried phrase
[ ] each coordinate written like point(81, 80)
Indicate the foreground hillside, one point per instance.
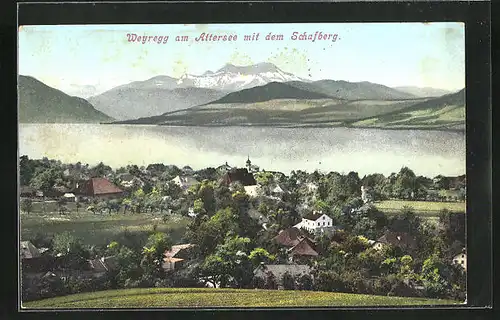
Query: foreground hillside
point(206, 297)
point(39, 103)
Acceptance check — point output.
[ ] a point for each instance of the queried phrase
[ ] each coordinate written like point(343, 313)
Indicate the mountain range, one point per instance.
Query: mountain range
point(287, 105)
point(163, 94)
point(39, 103)
point(260, 94)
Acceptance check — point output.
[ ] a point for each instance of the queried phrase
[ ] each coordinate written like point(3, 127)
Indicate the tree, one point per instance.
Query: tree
point(61, 206)
point(71, 248)
point(26, 170)
point(27, 205)
point(209, 233)
point(288, 281)
point(305, 282)
point(230, 262)
point(433, 275)
point(271, 282)
point(260, 256)
point(153, 254)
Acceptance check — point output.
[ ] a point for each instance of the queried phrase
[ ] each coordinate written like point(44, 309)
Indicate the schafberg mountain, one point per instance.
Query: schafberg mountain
point(270, 91)
point(39, 103)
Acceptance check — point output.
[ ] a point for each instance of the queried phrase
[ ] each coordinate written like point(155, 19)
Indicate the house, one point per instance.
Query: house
point(222, 169)
point(128, 180)
point(185, 181)
point(191, 212)
point(311, 187)
point(239, 175)
point(252, 191)
point(366, 195)
point(175, 257)
point(305, 248)
point(68, 196)
point(28, 250)
point(99, 267)
point(289, 237)
point(100, 188)
point(315, 222)
point(278, 191)
point(397, 239)
point(461, 259)
point(278, 270)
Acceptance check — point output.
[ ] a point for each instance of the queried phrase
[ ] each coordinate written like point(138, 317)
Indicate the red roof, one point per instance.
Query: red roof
point(99, 186)
point(289, 237)
point(176, 248)
point(304, 248)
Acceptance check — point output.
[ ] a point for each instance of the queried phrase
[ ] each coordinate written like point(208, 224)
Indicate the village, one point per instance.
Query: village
point(248, 228)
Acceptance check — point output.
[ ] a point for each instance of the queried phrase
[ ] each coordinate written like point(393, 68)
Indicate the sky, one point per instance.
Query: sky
point(90, 59)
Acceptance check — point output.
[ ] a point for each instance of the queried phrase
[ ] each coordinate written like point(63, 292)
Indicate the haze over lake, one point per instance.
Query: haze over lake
point(428, 153)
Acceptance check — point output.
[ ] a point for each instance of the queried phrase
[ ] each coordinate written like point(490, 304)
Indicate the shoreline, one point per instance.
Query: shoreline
point(295, 126)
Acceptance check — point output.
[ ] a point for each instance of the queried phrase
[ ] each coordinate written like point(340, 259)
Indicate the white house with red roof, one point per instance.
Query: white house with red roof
point(315, 221)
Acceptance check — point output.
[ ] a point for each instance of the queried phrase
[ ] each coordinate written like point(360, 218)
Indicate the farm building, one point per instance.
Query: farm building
point(98, 188)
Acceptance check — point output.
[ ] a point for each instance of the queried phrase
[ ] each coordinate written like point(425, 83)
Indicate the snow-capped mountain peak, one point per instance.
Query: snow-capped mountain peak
point(231, 77)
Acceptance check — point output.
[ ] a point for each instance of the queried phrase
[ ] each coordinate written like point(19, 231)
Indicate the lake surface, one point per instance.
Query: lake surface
point(366, 151)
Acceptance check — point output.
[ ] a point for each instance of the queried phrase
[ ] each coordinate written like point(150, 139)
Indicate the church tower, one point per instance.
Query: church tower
point(249, 164)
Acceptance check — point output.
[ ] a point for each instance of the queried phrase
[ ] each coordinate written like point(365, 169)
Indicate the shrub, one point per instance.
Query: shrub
point(288, 281)
point(258, 282)
point(305, 282)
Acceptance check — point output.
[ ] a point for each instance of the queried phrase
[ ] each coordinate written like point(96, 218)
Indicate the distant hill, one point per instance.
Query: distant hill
point(151, 98)
point(352, 90)
point(445, 112)
point(442, 113)
point(39, 103)
point(270, 91)
point(423, 92)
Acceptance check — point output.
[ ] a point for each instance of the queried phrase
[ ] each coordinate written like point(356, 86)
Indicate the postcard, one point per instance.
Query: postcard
point(242, 165)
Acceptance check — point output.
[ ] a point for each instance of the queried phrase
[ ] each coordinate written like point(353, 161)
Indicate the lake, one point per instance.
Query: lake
point(366, 151)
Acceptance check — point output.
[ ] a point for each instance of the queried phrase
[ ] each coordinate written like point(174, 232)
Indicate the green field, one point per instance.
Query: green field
point(100, 229)
point(208, 297)
point(422, 208)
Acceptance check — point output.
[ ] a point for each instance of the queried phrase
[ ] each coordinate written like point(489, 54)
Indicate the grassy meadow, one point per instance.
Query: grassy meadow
point(97, 229)
point(427, 210)
point(209, 297)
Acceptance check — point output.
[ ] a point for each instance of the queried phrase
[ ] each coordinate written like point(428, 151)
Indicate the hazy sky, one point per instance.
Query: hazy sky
point(393, 54)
